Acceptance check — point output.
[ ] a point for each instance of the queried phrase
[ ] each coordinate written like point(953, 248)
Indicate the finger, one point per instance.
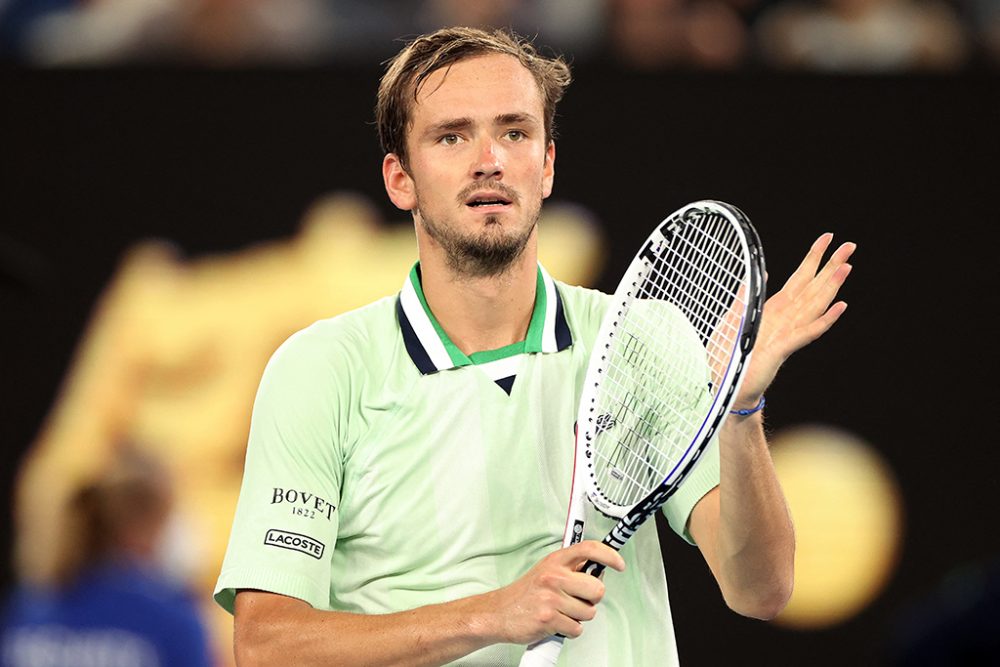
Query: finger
point(577, 609)
point(823, 292)
point(822, 324)
point(810, 263)
point(837, 259)
point(580, 553)
point(566, 626)
point(584, 587)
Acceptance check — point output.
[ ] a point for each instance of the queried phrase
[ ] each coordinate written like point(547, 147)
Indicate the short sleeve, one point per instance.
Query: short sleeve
point(692, 389)
point(286, 521)
point(700, 481)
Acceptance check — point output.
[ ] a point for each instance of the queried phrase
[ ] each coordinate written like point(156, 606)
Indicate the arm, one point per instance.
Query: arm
point(743, 526)
point(552, 597)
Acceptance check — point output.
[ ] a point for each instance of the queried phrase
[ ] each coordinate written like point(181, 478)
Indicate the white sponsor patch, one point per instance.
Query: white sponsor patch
point(295, 542)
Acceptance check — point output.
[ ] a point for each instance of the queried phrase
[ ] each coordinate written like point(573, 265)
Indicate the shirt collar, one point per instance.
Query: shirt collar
point(430, 348)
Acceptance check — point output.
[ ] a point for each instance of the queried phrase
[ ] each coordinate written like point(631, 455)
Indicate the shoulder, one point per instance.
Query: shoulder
point(356, 332)
point(317, 380)
point(584, 308)
point(351, 342)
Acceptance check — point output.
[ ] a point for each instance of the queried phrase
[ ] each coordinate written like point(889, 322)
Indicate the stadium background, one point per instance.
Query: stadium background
point(218, 161)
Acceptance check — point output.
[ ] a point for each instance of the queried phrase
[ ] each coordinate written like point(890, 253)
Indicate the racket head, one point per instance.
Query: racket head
point(669, 357)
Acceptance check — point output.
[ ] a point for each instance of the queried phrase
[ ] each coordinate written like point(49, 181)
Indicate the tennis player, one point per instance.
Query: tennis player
point(409, 462)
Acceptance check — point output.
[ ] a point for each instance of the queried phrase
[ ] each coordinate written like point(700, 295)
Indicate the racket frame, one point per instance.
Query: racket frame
point(546, 651)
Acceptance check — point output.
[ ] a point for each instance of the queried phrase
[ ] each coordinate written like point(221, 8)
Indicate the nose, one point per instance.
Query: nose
point(488, 162)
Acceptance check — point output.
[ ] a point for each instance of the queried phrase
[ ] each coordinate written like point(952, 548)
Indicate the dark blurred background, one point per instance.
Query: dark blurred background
point(214, 125)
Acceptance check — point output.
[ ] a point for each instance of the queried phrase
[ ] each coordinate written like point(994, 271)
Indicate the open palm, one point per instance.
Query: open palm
point(797, 315)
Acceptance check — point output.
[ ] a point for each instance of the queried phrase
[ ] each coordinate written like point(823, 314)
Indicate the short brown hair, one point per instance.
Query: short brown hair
point(408, 69)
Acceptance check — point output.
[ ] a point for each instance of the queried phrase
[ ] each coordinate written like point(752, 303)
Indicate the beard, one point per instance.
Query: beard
point(487, 252)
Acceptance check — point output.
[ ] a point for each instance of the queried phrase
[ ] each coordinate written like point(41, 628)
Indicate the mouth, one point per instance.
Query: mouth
point(488, 202)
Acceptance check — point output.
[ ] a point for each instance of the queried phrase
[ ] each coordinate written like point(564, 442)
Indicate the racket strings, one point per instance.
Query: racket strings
point(639, 455)
point(702, 295)
point(705, 292)
point(667, 359)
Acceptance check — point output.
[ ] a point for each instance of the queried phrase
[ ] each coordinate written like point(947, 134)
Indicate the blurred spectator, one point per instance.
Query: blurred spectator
point(863, 36)
point(212, 31)
point(573, 27)
point(107, 604)
point(17, 17)
point(985, 19)
point(472, 14)
point(650, 34)
point(224, 32)
point(828, 35)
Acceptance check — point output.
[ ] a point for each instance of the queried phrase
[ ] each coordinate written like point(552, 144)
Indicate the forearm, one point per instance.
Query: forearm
point(743, 527)
point(272, 631)
point(553, 597)
point(756, 542)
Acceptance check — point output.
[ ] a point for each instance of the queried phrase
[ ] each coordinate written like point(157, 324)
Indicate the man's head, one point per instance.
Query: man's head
point(466, 117)
point(408, 70)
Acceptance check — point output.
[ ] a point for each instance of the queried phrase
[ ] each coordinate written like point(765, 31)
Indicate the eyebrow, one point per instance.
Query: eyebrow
point(455, 124)
point(450, 125)
point(515, 119)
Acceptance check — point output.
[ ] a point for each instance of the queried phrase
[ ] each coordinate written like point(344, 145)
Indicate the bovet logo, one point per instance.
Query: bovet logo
point(307, 504)
point(294, 542)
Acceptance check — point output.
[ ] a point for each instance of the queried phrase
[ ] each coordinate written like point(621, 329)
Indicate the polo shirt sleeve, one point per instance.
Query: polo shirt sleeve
point(286, 522)
point(700, 481)
point(705, 475)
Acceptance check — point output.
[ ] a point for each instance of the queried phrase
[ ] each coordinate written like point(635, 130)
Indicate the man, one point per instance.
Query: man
point(409, 462)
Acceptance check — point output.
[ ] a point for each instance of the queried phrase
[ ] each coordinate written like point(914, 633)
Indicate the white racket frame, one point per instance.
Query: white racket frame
point(546, 652)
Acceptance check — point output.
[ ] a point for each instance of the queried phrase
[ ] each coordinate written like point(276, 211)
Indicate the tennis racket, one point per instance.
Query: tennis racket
point(665, 368)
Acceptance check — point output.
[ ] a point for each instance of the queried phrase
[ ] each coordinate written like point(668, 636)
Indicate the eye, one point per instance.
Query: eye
point(515, 135)
point(449, 139)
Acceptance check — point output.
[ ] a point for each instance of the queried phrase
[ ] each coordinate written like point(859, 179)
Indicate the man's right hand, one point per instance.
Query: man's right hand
point(554, 597)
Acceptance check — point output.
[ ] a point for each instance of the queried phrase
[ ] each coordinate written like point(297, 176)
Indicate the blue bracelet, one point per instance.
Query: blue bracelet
point(744, 413)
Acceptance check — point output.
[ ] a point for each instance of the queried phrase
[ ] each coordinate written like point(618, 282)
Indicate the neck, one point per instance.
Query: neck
point(482, 313)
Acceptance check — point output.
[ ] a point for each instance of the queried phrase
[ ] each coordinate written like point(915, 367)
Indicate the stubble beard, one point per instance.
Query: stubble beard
point(489, 252)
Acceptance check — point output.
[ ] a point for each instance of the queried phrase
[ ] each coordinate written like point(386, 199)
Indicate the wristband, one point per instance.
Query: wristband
point(750, 411)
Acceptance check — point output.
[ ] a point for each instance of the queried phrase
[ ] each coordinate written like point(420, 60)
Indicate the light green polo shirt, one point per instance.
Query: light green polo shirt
point(387, 470)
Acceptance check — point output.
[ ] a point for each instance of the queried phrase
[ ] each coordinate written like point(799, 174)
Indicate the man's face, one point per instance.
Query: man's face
point(478, 163)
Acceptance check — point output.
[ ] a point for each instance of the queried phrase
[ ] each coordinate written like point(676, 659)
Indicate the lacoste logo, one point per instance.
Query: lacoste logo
point(295, 542)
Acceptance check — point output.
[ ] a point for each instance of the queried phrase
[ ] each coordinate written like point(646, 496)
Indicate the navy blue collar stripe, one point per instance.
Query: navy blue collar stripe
point(563, 337)
point(416, 351)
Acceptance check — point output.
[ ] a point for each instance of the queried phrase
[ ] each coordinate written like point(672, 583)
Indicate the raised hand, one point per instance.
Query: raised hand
point(796, 315)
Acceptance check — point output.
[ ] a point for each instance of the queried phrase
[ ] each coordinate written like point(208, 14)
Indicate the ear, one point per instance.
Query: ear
point(398, 184)
point(549, 170)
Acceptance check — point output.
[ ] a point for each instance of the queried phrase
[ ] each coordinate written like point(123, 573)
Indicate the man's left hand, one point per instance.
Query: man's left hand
point(796, 315)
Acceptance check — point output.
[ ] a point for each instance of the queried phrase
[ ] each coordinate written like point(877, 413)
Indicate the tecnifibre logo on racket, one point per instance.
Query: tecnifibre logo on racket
point(604, 423)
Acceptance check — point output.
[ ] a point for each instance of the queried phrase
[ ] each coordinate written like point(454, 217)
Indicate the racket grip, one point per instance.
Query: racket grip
point(593, 568)
point(543, 653)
